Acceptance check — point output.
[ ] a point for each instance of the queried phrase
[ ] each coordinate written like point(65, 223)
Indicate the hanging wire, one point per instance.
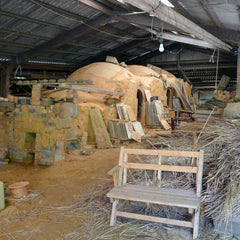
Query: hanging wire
point(217, 69)
point(211, 60)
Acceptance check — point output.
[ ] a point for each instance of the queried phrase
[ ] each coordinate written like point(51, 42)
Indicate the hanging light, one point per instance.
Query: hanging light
point(161, 47)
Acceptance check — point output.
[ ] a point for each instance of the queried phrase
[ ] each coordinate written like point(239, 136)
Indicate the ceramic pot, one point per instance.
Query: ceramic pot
point(19, 190)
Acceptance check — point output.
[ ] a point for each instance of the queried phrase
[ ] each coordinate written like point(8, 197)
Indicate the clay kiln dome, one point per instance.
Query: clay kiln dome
point(142, 71)
point(105, 75)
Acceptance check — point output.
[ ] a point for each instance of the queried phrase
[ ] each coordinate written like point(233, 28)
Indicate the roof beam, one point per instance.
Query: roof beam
point(22, 34)
point(28, 35)
point(167, 14)
point(223, 33)
point(58, 11)
point(66, 37)
point(210, 11)
point(179, 8)
point(20, 45)
point(179, 38)
point(122, 16)
point(115, 51)
point(33, 20)
point(98, 6)
point(234, 2)
point(85, 46)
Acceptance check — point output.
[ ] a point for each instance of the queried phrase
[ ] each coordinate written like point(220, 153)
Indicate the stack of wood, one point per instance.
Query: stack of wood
point(224, 96)
point(127, 126)
point(155, 115)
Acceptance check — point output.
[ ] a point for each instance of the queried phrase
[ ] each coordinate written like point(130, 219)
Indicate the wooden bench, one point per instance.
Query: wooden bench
point(123, 190)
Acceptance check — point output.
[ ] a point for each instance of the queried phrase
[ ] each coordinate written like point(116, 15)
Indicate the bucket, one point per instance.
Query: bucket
point(19, 190)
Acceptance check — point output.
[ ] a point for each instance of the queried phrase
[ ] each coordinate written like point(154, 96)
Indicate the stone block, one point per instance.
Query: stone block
point(44, 157)
point(73, 145)
point(73, 133)
point(36, 95)
point(88, 150)
point(59, 151)
point(232, 110)
point(68, 109)
point(67, 123)
point(16, 155)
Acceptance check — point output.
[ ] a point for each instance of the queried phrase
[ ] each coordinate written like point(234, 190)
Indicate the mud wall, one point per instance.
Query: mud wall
point(43, 135)
point(3, 134)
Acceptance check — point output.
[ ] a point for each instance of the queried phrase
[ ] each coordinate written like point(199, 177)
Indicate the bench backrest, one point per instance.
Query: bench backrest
point(198, 169)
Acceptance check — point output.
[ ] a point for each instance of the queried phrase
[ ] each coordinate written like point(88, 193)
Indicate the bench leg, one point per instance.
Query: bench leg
point(196, 223)
point(113, 216)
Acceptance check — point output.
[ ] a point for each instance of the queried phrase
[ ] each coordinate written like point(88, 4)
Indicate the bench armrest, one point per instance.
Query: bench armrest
point(115, 171)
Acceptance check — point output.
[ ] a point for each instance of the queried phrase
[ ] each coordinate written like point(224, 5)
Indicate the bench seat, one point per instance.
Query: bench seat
point(156, 195)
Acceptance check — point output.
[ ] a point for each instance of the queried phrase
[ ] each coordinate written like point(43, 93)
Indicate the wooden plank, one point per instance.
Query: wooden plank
point(99, 129)
point(88, 89)
point(170, 153)
point(159, 171)
point(155, 198)
point(169, 168)
point(199, 174)
point(113, 215)
point(181, 96)
point(120, 176)
point(196, 223)
point(132, 116)
point(154, 219)
point(125, 159)
point(113, 170)
point(163, 121)
point(147, 95)
point(137, 126)
point(165, 191)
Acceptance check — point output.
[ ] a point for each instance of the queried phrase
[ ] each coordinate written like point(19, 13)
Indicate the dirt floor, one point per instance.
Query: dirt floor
point(67, 201)
point(58, 186)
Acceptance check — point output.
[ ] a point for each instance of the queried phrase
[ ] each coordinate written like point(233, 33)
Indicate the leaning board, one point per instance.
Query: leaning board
point(99, 129)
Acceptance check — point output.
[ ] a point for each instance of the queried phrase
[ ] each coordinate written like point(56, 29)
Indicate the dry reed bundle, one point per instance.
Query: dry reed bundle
point(221, 183)
point(221, 192)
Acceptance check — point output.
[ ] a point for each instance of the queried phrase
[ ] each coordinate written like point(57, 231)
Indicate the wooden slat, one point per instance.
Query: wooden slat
point(171, 168)
point(88, 89)
point(154, 197)
point(131, 114)
point(154, 219)
point(125, 159)
point(199, 174)
point(99, 129)
point(169, 153)
point(120, 176)
point(163, 121)
point(166, 191)
point(114, 169)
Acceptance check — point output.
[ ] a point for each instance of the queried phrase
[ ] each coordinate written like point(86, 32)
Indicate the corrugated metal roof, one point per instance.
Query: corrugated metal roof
point(100, 38)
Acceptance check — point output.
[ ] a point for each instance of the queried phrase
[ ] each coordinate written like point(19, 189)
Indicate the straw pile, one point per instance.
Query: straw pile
point(221, 182)
point(221, 194)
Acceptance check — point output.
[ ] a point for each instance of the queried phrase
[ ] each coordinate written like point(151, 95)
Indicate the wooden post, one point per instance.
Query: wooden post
point(159, 171)
point(5, 77)
point(36, 94)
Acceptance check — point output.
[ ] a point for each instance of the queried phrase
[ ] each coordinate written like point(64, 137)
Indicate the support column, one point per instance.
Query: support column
point(237, 97)
point(5, 77)
point(36, 94)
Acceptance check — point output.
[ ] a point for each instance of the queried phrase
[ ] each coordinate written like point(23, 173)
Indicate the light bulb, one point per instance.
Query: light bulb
point(161, 47)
